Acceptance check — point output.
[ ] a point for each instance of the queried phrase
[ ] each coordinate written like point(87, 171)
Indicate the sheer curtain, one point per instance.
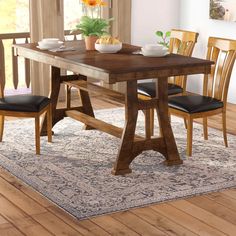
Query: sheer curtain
point(46, 20)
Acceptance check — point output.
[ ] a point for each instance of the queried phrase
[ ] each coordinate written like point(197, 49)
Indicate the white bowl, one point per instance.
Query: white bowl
point(50, 40)
point(154, 53)
point(108, 48)
point(153, 47)
point(51, 45)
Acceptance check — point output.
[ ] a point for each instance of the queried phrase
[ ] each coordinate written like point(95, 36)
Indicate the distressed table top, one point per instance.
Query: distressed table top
point(112, 68)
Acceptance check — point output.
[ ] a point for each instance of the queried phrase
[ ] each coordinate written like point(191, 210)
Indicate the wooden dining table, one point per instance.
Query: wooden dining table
point(125, 66)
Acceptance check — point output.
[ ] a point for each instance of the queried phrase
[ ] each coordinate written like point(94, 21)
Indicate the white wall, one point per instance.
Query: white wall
point(194, 15)
point(148, 16)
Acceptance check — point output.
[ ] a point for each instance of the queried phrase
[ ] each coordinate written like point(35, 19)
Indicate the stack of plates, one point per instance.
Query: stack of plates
point(49, 43)
point(154, 50)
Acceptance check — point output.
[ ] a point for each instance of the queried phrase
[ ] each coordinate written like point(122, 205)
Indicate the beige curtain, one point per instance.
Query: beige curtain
point(46, 20)
point(121, 26)
point(120, 10)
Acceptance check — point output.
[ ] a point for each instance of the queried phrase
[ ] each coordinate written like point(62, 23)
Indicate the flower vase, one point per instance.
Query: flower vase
point(90, 42)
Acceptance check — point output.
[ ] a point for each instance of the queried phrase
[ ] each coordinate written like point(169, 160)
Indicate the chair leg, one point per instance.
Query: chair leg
point(37, 135)
point(49, 122)
point(152, 121)
point(224, 128)
point(1, 127)
point(185, 123)
point(149, 123)
point(205, 131)
point(68, 96)
point(189, 136)
point(160, 128)
point(169, 115)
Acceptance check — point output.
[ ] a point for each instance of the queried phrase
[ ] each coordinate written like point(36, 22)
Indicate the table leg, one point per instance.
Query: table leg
point(54, 93)
point(172, 154)
point(125, 154)
point(86, 106)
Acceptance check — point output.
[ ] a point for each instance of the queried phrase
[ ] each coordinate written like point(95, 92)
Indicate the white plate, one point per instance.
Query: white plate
point(154, 55)
point(41, 48)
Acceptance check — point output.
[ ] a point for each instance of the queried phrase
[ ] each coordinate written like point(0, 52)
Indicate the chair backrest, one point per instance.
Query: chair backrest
point(223, 53)
point(182, 42)
point(8, 59)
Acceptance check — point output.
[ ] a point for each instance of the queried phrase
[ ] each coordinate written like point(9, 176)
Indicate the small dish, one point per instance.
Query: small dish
point(50, 40)
point(154, 47)
point(108, 48)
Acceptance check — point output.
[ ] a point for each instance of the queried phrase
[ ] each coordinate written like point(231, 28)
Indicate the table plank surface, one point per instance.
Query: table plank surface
point(125, 62)
point(121, 66)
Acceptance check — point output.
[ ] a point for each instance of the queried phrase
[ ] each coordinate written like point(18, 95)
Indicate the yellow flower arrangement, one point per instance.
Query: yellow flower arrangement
point(92, 24)
point(94, 3)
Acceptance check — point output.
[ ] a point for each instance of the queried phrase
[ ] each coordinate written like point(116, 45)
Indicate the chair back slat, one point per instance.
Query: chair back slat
point(73, 35)
point(174, 45)
point(182, 42)
point(27, 72)
point(227, 75)
point(27, 68)
point(219, 78)
point(180, 81)
point(15, 67)
point(212, 54)
point(223, 53)
point(183, 48)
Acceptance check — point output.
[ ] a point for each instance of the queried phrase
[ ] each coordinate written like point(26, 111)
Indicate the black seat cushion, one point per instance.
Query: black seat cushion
point(194, 103)
point(149, 89)
point(24, 103)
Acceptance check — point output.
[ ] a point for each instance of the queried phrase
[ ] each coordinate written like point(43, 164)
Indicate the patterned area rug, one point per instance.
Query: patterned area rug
point(75, 171)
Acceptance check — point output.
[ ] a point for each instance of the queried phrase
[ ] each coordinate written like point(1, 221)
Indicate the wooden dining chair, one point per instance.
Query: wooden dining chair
point(181, 42)
point(215, 90)
point(26, 106)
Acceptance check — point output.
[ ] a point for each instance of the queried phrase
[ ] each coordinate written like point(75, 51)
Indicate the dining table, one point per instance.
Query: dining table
point(126, 66)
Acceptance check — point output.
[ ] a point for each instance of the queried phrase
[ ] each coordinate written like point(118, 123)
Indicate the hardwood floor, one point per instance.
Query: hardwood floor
point(25, 212)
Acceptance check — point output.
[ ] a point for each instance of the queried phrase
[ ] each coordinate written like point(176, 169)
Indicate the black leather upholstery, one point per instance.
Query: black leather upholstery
point(24, 103)
point(149, 89)
point(194, 103)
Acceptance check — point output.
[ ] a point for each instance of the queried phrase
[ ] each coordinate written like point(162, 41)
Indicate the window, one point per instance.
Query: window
point(14, 18)
point(72, 13)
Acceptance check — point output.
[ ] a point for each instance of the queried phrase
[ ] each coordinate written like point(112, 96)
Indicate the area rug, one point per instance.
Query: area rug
point(75, 170)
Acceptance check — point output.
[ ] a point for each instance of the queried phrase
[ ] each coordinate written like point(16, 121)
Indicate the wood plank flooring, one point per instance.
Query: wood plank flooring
point(25, 212)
